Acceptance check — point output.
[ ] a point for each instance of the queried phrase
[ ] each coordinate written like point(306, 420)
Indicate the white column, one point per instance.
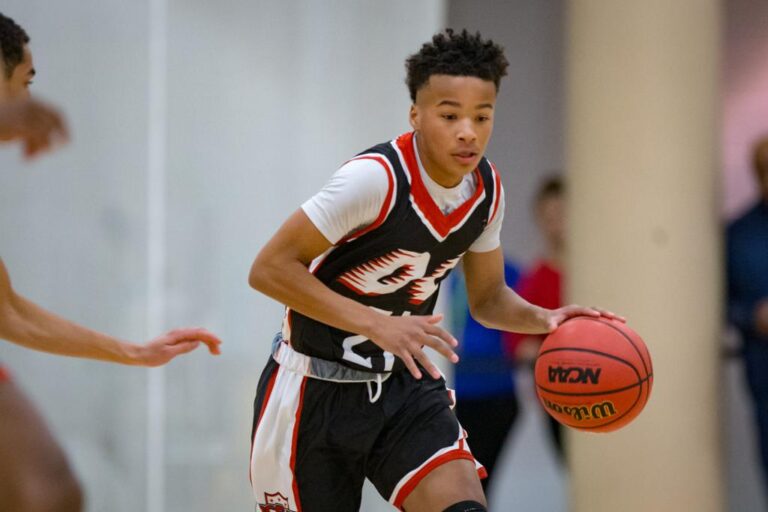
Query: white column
point(644, 239)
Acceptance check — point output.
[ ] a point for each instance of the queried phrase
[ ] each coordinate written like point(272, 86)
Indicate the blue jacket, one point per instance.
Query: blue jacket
point(747, 267)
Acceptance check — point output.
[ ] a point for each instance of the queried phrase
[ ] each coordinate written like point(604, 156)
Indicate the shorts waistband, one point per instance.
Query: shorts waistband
point(317, 368)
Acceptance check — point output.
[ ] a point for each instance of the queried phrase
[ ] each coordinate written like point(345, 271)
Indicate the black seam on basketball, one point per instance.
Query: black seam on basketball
point(592, 351)
point(648, 370)
point(595, 393)
point(642, 359)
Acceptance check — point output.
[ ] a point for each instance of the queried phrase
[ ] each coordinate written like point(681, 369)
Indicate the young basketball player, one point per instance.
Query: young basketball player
point(34, 474)
point(359, 267)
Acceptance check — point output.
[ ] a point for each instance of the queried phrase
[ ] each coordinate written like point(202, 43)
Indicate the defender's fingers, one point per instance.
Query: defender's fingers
point(197, 334)
point(183, 348)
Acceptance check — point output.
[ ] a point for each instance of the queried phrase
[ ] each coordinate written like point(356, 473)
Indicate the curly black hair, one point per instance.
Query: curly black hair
point(12, 41)
point(455, 54)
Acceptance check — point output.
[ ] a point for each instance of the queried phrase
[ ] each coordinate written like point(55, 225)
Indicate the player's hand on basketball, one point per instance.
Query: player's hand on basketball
point(560, 315)
point(162, 349)
point(406, 336)
point(37, 125)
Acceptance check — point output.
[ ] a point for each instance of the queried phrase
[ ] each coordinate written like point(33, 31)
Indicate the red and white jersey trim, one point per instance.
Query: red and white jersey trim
point(496, 193)
point(389, 200)
point(438, 223)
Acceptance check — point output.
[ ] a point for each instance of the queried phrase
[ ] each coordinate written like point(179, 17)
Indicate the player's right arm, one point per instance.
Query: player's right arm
point(27, 324)
point(281, 271)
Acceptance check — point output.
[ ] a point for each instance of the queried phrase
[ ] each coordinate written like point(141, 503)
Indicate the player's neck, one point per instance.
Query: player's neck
point(440, 176)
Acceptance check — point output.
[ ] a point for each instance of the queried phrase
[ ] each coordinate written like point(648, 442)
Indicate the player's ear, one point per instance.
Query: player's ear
point(413, 117)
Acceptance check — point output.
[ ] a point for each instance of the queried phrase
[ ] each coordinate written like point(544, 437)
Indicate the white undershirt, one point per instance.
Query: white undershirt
point(353, 197)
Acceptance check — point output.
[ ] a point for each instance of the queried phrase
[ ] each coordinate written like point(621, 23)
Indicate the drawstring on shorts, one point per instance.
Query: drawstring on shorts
point(371, 396)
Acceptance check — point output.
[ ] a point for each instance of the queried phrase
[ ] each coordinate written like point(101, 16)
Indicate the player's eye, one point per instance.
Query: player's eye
point(449, 117)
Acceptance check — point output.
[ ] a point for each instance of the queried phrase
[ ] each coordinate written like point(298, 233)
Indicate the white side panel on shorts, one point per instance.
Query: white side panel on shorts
point(273, 441)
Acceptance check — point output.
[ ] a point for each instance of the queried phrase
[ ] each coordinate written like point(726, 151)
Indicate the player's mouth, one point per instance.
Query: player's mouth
point(465, 157)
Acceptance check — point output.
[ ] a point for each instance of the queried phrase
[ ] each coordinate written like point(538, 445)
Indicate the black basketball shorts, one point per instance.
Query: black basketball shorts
point(314, 441)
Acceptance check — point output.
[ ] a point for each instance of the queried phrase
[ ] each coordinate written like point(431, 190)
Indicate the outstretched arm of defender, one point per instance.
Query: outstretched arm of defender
point(495, 305)
point(29, 325)
point(281, 272)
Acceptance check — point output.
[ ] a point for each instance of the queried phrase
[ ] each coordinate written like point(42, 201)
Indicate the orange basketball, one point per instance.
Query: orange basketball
point(593, 374)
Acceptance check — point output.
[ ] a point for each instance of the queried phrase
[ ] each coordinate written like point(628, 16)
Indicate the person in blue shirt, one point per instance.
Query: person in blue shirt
point(484, 380)
point(747, 269)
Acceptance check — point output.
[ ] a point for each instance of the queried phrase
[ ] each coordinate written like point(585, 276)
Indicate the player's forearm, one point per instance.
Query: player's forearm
point(31, 326)
point(291, 283)
point(505, 310)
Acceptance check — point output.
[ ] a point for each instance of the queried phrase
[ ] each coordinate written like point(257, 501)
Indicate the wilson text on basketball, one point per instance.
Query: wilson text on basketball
point(583, 412)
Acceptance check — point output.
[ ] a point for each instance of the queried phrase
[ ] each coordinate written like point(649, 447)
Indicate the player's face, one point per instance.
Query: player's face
point(453, 119)
point(17, 86)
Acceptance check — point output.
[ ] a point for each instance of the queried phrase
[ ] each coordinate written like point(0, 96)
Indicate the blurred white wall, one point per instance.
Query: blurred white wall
point(264, 100)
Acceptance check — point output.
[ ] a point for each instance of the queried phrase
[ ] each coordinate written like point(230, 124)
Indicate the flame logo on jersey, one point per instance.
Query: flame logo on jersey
point(386, 274)
point(395, 270)
point(423, 288)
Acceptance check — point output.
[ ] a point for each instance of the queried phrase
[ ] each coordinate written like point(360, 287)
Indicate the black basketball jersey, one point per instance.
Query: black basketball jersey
point(396, 264)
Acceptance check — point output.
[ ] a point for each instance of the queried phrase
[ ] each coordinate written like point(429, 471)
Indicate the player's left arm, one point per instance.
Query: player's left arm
point(495, 305)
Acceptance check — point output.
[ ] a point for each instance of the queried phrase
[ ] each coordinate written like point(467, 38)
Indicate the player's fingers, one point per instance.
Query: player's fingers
point(427, 364)
point(443, 335)
point(435, 319)
point(410, 364)
point(610, 315)
point(571, 311)
point(442, 347)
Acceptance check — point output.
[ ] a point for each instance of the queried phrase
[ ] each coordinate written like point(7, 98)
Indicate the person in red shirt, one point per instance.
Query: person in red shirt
point(542, 284)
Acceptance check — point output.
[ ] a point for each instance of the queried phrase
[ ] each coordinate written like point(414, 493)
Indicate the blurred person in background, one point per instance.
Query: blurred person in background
point(542, 283)
point(34, 473)
point(484, 379)
point(747, 276)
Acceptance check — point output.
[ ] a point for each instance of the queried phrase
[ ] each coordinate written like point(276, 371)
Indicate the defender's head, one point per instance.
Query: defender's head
point(17, 68)
point(453, 81)
point(549, 211)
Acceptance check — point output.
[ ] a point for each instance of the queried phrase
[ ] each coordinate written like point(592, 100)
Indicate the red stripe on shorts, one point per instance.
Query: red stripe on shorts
point(294, 443)
point(416, 479)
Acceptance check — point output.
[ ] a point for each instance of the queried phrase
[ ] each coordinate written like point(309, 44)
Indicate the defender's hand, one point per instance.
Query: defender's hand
point(162, 349)
point(406, 336)
point(37, 125)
